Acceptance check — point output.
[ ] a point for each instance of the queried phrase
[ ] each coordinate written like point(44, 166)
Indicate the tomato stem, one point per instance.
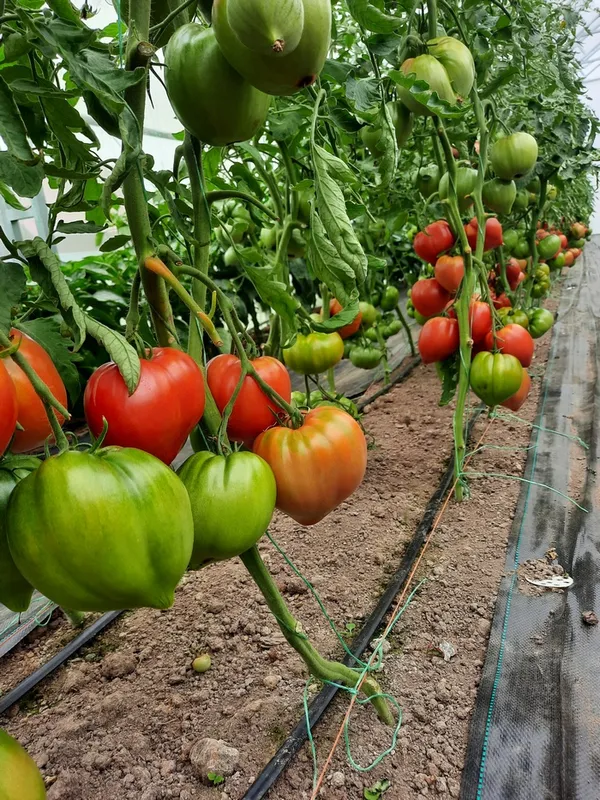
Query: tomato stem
point(321, 668)
point(234, 194)
point(134, 196)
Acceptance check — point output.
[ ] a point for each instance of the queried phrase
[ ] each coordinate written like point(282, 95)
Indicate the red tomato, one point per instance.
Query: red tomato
point(161, 413)
point(433, 241)
point(541, 234)
point(501, 301)
point(564, 242)
point(493, 233)
point(439, 338)
point(317, 466)
point(428, 297)
point(8, 404)
point(516, 401)
point(513, 273)
point(352, 327)
point(449, 272)
point(253, 412)
point(513, 340)
point(30, 409)
point(576, 252)
point(480, 317)
point(569, 258)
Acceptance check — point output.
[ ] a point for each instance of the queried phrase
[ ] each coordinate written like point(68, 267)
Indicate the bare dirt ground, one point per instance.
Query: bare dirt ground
point(121, 720)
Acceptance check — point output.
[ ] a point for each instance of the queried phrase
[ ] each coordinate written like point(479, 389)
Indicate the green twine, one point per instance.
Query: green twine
point(526, 480)
point(361, 701)
point(320, 603)
point(515, 418)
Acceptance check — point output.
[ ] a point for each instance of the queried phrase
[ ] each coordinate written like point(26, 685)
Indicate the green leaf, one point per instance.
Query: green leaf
point(333, 219)
point(46, 271)
point(343, 317)
point(421, 92)
point(12, 286)
point(503, 77)
point(47, 332)
point(65, 10)
point(328, 266)
point(275, 294)
point(12, 127)
point(115, 243)
point(55, 171)
point(106, 296)
point(448, 373)
point(10, 198)
point(119, 349)
point(388, 144)
point(79, 227)
point(364, 92)
point(370, 17)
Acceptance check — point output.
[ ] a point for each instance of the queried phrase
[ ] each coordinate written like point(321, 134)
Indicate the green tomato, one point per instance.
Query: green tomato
point(420, 319)
point(521, 250)
point(299, 399)
point(233, 499)
point(315, 353)
point(371, 335)
point(548, 247)
point(20, 779)
point(540, 321)
point(15, 591)
point(534, 185)
point(429, 69)
point(551, 192)
point(542, 272)
point(540, 288)
point(495, 377)
point(427, 182)
point(371, 138)
point(230, 258)
point(365, 357)
point(202, 663)
point(466, 180)
point(457, 61)
point(210, 98)
point(579, 243)
point(521, 200)
point(390, 298)
point(513, 156)
point(304, 206)
point(515, 316)
point(315, 397)
point(499, 195)
point(376, 298)
point(402, 120)
point(101, 531)
point(511, 239)
point(297, 244)
point(392, 328)
point(369, 314)
point(348, 345)
point(557, 262)
point(268, 237)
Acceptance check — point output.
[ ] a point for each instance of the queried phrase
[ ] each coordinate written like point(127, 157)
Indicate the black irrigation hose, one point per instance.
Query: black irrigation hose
point(58, 660)
point(266, 779)
point(107, 619)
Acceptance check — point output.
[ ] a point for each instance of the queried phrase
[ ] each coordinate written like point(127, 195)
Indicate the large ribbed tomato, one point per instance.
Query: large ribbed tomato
point(316, 466)
point(30, 409)
point(514, 340)
point(8, 404)
point(429, 297)
point(493, 233)
point(253, 412)
point(480, 317)
point(449, 272)
point(159, 416)
point(430, 243)
point(439, 338)
point(516, 400)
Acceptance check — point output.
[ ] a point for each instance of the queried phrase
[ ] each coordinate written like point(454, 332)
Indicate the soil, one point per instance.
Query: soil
point(121, 719)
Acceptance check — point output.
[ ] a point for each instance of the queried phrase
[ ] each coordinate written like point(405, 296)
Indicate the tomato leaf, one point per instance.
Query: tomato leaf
point(79, 226)
point(10, 198)
point(46, 271)
point(119, 349)
point(421, 92)
point(388, 144)
point(333, 222)
point(343, 317)
point(12, 127)
point(448, 373)
point(115, 243)
point(12, 286)
point(46, 331)
point(326, 263)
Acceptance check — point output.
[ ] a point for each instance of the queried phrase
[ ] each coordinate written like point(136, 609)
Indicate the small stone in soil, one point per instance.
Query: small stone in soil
point(589, 618)
point(213, 756)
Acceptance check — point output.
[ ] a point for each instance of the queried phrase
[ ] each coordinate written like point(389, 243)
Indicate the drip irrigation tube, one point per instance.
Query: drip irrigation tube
point(299, 735)
point(56, 661)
